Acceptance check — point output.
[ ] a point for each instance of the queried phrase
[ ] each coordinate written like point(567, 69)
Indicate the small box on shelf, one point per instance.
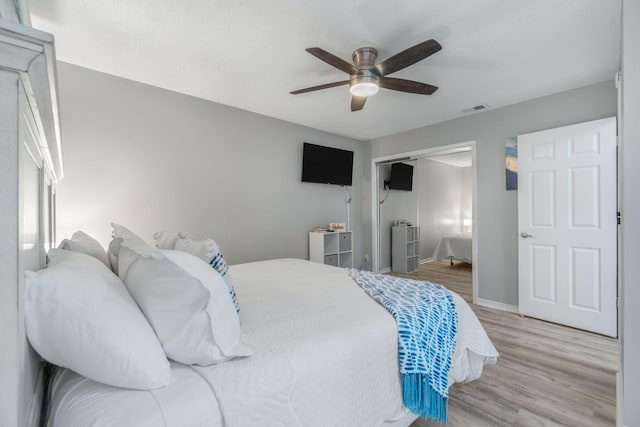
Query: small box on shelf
point(331, 259)
point(344, 239)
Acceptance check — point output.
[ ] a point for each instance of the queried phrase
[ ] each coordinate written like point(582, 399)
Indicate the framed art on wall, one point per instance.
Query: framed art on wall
point(511, 162)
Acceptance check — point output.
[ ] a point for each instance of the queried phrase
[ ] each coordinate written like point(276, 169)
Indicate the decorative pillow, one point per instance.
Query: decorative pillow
point(83, 243)
point(79, 315)
point(208, 251)
point(119, 234)
point(168, 239)
point(186, 302)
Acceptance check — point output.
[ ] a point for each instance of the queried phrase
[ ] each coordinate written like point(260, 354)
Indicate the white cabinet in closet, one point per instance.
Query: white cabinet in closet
point(332, 248)
point(405, 248)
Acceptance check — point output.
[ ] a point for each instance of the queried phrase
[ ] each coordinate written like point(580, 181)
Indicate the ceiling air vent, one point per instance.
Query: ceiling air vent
point(475, 108)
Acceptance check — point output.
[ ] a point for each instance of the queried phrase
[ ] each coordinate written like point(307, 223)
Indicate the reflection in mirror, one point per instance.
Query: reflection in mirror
point(440, 203)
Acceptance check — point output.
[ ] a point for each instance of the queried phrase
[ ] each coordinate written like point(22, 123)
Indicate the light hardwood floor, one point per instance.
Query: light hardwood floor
point(547, 374)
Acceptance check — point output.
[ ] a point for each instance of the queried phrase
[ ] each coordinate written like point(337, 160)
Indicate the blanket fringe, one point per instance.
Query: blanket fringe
point(421, 399)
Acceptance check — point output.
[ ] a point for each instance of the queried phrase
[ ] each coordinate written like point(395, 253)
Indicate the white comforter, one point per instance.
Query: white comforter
point(456, 246)
point(325, 355)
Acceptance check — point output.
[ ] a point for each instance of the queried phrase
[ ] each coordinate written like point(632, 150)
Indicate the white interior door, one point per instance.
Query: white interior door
point(567, 251)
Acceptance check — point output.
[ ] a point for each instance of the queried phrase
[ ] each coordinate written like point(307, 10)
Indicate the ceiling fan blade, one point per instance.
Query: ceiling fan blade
point(333, 60)
point(319, 87)
point(410, 86)
point(408, 57)
point(357, 102)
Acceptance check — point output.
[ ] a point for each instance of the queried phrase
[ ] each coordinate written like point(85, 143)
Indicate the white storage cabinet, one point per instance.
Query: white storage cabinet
point(331, 248)
point(405, 248)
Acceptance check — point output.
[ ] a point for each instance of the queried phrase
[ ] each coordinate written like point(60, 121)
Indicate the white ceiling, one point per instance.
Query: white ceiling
point(461, 159)
point(250, 54)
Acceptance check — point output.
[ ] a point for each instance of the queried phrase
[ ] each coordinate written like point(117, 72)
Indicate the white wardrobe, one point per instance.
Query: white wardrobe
point(30, 167)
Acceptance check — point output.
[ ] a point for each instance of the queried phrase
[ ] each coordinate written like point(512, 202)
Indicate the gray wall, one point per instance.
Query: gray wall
point(497, 261)
point(439, 203)
point(152, 159)
point(630, 208)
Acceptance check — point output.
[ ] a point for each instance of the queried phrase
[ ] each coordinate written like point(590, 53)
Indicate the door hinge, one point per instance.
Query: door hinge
point(619, 217)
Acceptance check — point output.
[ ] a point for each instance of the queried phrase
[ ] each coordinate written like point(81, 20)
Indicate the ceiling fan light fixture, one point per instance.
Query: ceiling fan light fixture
point(366, 78)
point(364, 84)
point(364, 89)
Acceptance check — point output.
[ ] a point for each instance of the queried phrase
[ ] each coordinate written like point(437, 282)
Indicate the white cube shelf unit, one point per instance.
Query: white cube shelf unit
point(331, 248)
point(405, 248)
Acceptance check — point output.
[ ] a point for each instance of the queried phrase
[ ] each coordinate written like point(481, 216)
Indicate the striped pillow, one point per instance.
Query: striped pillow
point(209, 251)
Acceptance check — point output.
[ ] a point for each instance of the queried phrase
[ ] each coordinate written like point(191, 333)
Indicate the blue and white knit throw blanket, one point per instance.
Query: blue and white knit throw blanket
point(427, 326)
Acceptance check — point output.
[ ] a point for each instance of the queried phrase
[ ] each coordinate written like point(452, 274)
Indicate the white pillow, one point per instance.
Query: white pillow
point(79, 315)
point(208, 251)
point(167, 239)
point(83, 243)
point(119, 234)
point(186, 302)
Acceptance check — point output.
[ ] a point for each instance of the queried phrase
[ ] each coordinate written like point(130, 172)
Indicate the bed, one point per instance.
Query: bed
point(455, 247)
point(324, 354)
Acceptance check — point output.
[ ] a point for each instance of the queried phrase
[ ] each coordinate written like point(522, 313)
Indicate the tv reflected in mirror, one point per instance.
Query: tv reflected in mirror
point(401, 177)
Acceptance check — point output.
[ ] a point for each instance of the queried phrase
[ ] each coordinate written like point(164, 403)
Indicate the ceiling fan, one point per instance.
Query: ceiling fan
point(366, 78)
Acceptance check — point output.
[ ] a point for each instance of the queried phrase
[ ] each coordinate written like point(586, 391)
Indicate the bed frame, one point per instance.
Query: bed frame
point(30, 168)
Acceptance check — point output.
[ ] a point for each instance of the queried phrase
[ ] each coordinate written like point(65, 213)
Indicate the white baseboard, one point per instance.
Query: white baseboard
point(385, 270)
point(497, 305)
point(422, 261)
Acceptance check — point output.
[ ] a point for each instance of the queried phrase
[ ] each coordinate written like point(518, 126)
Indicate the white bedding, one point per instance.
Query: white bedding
point(187, 401)
point(325, 354)
point(456, 246)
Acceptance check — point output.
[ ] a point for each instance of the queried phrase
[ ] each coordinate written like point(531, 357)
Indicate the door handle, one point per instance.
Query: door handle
point(525, 235)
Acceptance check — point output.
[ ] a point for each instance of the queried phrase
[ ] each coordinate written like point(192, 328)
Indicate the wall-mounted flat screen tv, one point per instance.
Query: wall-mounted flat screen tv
point(401, 177)
point(326, 165)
